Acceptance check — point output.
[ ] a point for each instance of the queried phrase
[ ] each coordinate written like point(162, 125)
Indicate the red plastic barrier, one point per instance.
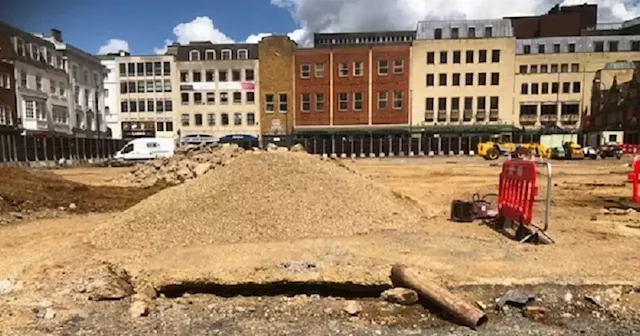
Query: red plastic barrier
point(636, 179)
point(630, 148)
point(518, 190)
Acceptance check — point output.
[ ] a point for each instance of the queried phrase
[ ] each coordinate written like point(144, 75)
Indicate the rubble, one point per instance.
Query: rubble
point(6, 286)
point(109, 282)
point(352, 308)
point(186, 164)
point(139, 309)
point(400, 295)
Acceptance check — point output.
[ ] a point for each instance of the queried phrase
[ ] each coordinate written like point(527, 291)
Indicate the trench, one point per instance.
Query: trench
point(323, 289)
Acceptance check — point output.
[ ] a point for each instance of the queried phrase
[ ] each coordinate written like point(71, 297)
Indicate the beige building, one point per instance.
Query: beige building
point(216, 89)
point(554, 76)
point(145, 96)
point(462, 73)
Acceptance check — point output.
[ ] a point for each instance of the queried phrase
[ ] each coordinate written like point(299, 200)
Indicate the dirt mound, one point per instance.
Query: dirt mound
point(183, 166)
point(260, 196)
point(21, 190)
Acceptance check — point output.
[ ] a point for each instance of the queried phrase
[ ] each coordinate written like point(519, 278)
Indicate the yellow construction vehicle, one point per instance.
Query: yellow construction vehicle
point(501, 144)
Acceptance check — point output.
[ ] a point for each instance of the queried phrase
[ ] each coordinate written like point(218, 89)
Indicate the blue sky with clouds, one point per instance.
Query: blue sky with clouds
point(144, 24)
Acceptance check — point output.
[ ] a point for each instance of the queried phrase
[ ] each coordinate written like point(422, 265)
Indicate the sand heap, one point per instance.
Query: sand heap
point(183, 166)
point(261, 196)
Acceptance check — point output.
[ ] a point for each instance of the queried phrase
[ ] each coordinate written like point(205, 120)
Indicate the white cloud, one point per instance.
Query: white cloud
point(255, 38)
point(199, 29)
point(113, 46)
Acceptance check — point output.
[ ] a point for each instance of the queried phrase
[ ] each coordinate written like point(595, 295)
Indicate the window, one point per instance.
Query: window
point(237, 119)
point(223, 75)
point(443, 57)
point(576, 87)
point(471, 32)
point(157, 68)
point(194, 55)
point(319, 102)
point(482, 56)
point(343, 101)
point(133, 106)
point(469, 56)
point(523, 69)
point(526, 49)
point(167, 68)
point(544, 68)
point(211, 119)
point(468, 103)
point(398, 67)
point(211, 98)
point(430, 80)
point(141, 86)
point(150, 86)
point(305, 70)
point(235, 75)
point(481, 103)
point(168, 126)
point(534, 88)
point(598, 46)
point(224, 119)
point(52, 86)
point(168, 105)
point(495, 56)
point(455, 33)
point(319, 70)
point(148, 67)
point(159, 128)
point(566, 87)
point(38, 83)
point(572, 47)
point(159, 86)
point(343, 69)
point(443, 79)
point(493, 103)
point(428, 104)
point(283, 103)
point(495, 78)
point(468, 79)
point(140, 69)
point(142, 105)
point(249, 75)
point(545, 88)
point(197, 76)
point(124, 107)
point(482, 79)
point(442, 104)
point(210, 55)
point(635, 45)
point(209, 76)
point(431, 57)
point(150, 105)
point(123, 87)
point(488, 31)
point(357, 101)
point(383, 67)
point(226, 55)
point(533, 68)
point(23, 79)
point(397, 100)
point(575, 67)
point(123, 70)
point(185, 98)
point(269, 105)
point(251, 97)
point(555, 87)
point(613, 45)
point(237, 97)
point(305, 102)
point(456, 56)
point(167, 86)
point(184, 118)
point(63, 90)
point(251, 119)
point(184, 76)
point(159, 106)
point(455, 79)
point(243, 54)
point(383, 100)
point(455, 103)
point(540, 48)
point(564, 67)
point(197, 119)
point(554, 68)
point(437, 33)
point(524, 88)
point(358, 70)
point(197, 98)
point(556, 48)
point(224, 97)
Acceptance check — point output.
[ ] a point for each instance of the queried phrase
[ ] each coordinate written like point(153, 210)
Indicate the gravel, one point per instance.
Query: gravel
point(259, 197)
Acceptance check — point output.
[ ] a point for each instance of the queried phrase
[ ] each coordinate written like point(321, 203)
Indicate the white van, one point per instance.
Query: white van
point(146, 149)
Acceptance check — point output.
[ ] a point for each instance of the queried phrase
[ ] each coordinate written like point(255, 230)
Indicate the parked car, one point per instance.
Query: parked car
point(146, 149)
point(245, 141)
point(197, 139)
point(610, 150)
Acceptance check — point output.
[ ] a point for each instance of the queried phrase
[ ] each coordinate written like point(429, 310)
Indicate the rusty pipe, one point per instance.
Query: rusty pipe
point(451, 305)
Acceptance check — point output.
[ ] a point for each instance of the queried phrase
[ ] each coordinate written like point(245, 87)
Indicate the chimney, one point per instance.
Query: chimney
point(56, 34)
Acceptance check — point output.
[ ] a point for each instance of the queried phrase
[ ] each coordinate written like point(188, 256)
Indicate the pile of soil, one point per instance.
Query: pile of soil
point(21, 190)
point(258, 197)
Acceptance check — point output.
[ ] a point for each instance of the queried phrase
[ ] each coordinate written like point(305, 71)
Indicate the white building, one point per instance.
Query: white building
point(111, 89)
point(85, 76)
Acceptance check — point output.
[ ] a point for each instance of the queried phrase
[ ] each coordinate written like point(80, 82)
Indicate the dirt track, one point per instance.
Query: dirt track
point(591, 246)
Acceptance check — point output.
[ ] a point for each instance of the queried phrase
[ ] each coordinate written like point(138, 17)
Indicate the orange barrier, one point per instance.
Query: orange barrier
point(518, 190)
point(636, 179)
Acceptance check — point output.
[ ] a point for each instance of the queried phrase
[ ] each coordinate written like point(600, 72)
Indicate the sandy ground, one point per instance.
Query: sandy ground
point(48, 256)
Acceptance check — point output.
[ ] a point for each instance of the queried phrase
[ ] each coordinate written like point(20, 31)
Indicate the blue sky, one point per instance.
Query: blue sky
point(144, 24)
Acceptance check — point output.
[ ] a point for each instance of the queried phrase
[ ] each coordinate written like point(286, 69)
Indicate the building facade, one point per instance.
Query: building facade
point(146, 86)
point(42, 86)
point(353, 82)
point(462, 75)
point(85, 76)
point(276, 88)
point(216, 89)
point(111, 94)
point(8, 111)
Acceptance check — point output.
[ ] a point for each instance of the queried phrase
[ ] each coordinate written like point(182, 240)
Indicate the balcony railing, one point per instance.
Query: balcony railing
point(455, 116)
point(548, 118)
point(528, 118)
point(428, 116)
point(494, 115)
point(442, 115)
point(570, 118)
point(481, 115)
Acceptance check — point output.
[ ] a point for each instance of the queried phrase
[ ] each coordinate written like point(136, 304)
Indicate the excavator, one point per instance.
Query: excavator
point(502, 144)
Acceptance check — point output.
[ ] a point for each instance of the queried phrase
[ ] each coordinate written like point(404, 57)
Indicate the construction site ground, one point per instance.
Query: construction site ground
point(596, 250)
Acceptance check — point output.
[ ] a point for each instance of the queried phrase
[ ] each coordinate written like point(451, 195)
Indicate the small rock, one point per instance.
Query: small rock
point(6, 286)
point(595, 299)
point(272, 147)
point(138, 309)
point(567, 315)
point(353, 308)
point(297, 148)
point(62, 208)
point(202, 169)
point(400, 295)
point(605, 211)
point(568, 297)
point(49, 314)
point(110, 282)
point(535, 313)
point(72, 206)
point(481, 305)
point(515, 297)
point(17, 215)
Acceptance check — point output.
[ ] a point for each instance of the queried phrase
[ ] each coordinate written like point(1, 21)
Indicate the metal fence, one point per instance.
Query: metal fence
point(16, 148)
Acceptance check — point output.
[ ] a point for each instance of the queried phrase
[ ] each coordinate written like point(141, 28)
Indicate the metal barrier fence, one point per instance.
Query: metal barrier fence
point(15, 148)
point(636, 179)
